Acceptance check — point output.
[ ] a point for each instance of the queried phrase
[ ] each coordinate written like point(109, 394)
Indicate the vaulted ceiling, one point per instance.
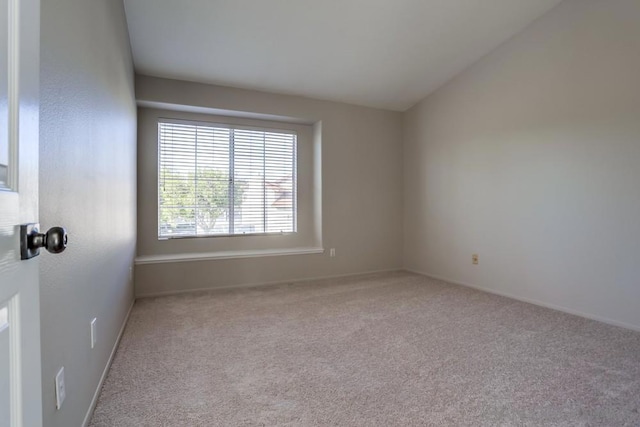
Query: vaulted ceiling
point(380, 53)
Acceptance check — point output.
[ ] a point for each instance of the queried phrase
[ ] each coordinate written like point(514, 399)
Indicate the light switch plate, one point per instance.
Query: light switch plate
point(61, 393)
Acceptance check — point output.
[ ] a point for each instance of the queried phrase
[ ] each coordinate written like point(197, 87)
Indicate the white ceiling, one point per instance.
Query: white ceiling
point(379, 53)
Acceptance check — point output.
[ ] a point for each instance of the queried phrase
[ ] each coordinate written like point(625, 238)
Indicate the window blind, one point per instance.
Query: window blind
point(217, 180)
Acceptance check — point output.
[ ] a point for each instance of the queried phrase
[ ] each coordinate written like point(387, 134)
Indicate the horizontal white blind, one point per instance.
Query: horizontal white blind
point(225, 181)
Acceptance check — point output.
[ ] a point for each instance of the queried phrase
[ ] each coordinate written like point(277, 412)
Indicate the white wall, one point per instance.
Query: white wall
point(531, 159)
point(88, 185)
point(361, 190)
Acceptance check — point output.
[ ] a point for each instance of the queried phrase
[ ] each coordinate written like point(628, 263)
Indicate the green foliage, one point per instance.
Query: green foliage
point(199, 200)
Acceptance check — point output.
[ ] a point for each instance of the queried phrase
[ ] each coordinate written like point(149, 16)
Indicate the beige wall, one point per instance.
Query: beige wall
point(531, 159)
point(361, 189)
point(87, 184)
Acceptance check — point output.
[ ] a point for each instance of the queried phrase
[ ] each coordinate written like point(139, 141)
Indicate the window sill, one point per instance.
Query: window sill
point(205, 256)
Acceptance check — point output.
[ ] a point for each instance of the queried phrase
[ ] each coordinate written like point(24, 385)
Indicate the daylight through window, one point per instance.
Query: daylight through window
point(215, 180)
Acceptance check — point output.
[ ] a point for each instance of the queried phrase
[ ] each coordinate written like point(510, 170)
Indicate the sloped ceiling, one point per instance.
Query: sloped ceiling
point(379, 53)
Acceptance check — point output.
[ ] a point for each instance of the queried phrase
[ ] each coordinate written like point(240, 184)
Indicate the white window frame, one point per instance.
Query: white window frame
point(232, 206)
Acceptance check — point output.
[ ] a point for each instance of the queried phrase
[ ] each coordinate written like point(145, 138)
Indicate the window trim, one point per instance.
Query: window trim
point(234, 254)
point(230, 126)
point(310, 189)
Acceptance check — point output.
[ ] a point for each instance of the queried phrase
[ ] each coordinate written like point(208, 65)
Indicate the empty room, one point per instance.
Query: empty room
point(319, 213)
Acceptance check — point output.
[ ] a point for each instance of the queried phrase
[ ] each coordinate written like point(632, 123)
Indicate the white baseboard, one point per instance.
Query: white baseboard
point(532, 301)
point(94, 401)
point(254, 284)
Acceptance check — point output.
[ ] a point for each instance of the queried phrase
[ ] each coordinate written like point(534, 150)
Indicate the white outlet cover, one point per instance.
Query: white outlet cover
point(94, 338)
point(61, 393)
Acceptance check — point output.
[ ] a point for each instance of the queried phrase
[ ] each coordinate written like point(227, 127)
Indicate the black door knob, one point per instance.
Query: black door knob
point(55, 240)
point(31, 240)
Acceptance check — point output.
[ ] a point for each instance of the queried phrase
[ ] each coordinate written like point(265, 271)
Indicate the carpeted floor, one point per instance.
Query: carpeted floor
point(386, 350)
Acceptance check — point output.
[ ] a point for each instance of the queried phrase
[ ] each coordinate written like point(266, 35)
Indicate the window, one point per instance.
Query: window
point(218, 180)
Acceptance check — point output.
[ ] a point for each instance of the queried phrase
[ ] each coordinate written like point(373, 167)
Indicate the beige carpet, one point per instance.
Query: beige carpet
point(388, 350)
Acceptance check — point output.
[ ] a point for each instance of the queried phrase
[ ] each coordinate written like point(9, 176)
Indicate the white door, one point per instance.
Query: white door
point(20, 383)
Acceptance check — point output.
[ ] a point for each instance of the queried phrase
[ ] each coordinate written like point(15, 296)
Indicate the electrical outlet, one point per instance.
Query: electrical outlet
point(94, 338)
point(61, 392)
point(332, 252)
point(474, 259)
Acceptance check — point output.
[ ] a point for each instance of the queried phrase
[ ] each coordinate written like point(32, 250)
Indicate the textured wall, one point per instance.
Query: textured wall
point(530, 159)
point(361, 188)
point(87, 184)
